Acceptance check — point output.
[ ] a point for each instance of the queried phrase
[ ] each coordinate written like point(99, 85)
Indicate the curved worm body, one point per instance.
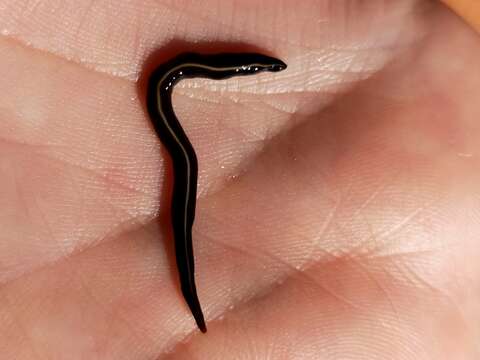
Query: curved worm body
point(172, 135)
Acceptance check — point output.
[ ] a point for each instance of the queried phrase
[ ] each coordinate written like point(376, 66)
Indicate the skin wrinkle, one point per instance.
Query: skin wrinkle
point(415, 280)
point(327, 223)
point(246, 171)
point(280, 110)
point(401, 254)
point(401, 224)
point(76, 276)
point(28, 211)
point(68, 258)
point(267, 290)
point(308, 277)
point(378, 245)
point(19, 192)
point(48, 226)
point(363, 246)
point(303, 272)
point(274, 286)
point(251, 135)
point(109, 235)
point(299, 269)
point(360, 248)
point(224, 124)
point(365, 270)
point(374, 194)
point(242, 167)
point(94, 172)
point(18, 42)
point(41, 147)
point(370, 256)
point(265, 149)
point(111, 310)
point(304, 267)
point(207, 21)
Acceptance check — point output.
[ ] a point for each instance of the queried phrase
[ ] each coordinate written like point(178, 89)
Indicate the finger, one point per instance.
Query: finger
point(468, 10)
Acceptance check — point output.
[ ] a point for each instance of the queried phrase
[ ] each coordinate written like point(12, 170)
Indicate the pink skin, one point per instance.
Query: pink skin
point(339, 202)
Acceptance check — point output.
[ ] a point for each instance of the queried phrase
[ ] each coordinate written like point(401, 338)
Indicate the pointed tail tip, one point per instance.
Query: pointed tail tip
point(202, 327)
point(196, 311)
point(199, 319)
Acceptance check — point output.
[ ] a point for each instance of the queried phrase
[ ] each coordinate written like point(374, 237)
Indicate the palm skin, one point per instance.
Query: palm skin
point(338, 210)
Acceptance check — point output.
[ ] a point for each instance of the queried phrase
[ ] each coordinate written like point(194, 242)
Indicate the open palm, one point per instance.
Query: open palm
point(339, 207)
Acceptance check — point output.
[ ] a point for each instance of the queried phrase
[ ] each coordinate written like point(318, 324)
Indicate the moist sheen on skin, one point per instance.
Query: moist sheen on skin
point(184, 160)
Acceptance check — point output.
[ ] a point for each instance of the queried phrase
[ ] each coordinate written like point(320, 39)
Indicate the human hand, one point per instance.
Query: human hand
point(338, 209)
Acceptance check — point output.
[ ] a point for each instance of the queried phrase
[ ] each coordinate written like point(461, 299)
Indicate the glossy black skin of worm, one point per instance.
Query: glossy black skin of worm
point(184, 159)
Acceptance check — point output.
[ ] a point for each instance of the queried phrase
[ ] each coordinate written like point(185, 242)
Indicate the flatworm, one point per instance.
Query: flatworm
point(185, 165)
